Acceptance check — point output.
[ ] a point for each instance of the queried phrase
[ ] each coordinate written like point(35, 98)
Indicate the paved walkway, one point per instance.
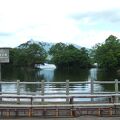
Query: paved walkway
point(78, 118)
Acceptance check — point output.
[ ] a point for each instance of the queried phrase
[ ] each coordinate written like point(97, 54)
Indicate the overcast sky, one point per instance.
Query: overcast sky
point(82, 22)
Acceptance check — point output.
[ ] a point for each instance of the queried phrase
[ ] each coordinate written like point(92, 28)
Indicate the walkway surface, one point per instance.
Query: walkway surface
point(78, 118)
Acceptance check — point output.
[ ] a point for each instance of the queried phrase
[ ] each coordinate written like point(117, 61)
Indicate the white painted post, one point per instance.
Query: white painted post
point(67, 90)
point(18, 91)
point(42, 90)
point(92, 88)
point(116, 90)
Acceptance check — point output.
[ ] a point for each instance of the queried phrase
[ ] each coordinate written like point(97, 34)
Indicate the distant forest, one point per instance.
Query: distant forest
point(106, 55)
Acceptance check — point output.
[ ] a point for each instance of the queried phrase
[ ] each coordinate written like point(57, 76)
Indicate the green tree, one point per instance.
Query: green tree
point(68, 56)
point(28, 55)
point(107, 55)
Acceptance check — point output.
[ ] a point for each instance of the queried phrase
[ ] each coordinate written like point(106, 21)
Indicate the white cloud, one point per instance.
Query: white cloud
point(49, 20)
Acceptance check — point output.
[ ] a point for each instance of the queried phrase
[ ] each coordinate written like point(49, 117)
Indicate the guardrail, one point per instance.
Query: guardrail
point(66, 87)
point(73, 108)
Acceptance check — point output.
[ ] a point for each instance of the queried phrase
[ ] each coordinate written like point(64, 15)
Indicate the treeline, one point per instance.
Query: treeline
point(106, 54)
point(28, 55)
point(68, 56)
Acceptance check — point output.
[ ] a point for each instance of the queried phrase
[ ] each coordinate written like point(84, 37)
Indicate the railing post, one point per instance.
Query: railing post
point(116, 91)
point(42, 90)
point(92, 88)
point(67, 90)
point(18, 91)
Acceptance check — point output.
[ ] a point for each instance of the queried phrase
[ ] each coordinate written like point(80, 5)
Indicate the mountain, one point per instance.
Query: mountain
point(77, 46)
point(46, 45)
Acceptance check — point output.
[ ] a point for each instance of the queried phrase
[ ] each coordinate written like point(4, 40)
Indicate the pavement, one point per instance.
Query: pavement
point(77, 118)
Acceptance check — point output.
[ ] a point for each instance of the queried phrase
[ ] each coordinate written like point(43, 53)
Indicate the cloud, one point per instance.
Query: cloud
point(5, 34)
point(83, 22)
point(111, 16)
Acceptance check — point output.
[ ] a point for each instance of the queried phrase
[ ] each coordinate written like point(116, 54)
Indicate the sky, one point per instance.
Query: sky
point(81, 22)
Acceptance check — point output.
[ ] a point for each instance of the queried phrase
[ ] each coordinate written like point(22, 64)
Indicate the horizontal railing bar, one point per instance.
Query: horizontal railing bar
point(30, 82)
point(1, 82)
point(55, 82)
point(58, 96)
point(82, 82)
point(54, 88)
point(79, 93)
point(103, 82)
point(104, 92)
point(86, 93)
point(55, 94)
point(70, 92)
point(8, 93)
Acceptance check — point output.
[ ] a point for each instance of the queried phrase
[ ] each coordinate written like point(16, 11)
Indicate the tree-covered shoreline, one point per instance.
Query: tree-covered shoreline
point(106, 55)
point(68, 56)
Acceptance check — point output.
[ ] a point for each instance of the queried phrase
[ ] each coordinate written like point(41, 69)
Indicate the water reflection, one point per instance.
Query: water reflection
point(93, 74)
point(109, 75)
point(106, 75)
point(71, 75)
point(8, 88)
point(92, 77)
point(16, 73)
point(23, 74)
point(46, 74)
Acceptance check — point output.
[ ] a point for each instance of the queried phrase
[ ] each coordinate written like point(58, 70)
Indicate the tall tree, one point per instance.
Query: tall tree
point(28, 55)
point(107, 55)
point(68, 56)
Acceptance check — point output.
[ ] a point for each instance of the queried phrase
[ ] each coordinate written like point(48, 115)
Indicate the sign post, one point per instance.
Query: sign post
point(4, 57)
point(0, 72)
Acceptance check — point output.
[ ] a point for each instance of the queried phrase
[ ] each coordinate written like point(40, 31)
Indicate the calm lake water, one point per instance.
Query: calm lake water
point(22, 74)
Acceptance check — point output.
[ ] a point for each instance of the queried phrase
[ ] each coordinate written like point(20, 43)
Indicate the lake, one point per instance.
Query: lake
point(22, 74)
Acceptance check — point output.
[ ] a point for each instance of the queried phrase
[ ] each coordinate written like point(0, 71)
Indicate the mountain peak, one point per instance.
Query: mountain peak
point(47, 45)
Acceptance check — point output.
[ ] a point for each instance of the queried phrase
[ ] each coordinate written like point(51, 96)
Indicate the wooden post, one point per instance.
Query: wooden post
point(57, 112)
point(67, 90)
point(72, 111)
point(110, 111)
point(42, 90)
point(18, 91)
point(98, 112)
point(92, 88)
point(116, 91)
point(30, 112)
